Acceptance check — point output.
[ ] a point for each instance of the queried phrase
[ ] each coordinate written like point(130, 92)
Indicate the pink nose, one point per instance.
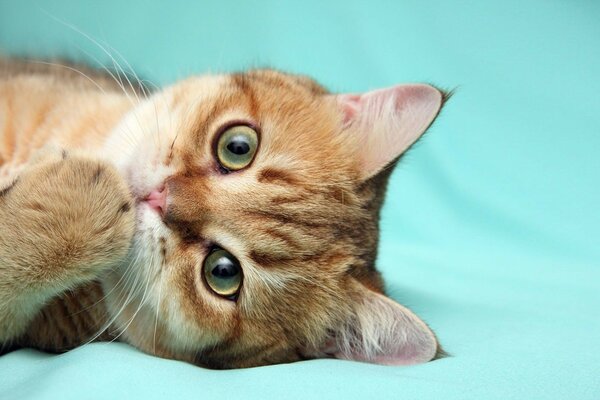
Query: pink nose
point(157, 199)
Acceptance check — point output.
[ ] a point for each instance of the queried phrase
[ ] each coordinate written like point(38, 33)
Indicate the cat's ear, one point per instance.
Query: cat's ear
point(388, 121)
point(381, 331)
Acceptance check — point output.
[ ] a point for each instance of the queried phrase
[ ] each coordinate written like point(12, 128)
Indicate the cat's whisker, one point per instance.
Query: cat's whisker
point(140, 305)
point(131, 71)
point(104, 328)
point(158, 304)
point(89, 78)
point(134, 292)
point(128, 272)
point(107, 294)
point(129, 293)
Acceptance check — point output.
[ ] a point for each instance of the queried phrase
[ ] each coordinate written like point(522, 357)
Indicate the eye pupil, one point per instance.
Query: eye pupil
point(238, 146)
point(225, 270)
point(223, 273)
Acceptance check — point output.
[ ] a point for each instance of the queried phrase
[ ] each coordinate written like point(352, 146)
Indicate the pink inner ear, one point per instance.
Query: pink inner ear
point(382, 331)
point(350, 106)
point(388, 121)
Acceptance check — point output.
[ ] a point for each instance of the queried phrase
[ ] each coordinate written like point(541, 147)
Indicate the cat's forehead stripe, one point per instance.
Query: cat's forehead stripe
point(285, 81)
point(246, 88)
point(266, 78)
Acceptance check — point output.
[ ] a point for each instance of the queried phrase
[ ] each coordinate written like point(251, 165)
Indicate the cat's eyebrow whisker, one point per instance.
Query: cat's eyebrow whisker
point(139, 83)
point(157, 136)
point(169, 113)
point(122, 72)
point(103, 48)
point(143, 82)
point(116, 65)
point(164, 100)
point(117, 79)
point(131, 71)
point(130, 137)
point(174, 138)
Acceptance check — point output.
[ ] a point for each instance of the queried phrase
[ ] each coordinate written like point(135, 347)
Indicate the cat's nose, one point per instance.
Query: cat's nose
point(157, 200)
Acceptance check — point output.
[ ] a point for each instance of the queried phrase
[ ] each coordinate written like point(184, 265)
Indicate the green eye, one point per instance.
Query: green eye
point(223, 273)
point(236, 147)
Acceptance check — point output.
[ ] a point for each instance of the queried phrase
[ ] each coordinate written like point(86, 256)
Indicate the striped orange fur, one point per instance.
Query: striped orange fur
point(83, 256)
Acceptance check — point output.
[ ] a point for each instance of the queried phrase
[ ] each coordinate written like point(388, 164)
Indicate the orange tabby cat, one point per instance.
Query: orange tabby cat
point(227, 220)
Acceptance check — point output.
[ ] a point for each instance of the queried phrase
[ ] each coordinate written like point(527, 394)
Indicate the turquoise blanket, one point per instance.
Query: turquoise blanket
point(491, 228)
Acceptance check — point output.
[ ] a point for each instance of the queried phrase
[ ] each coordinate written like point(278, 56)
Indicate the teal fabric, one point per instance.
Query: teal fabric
point(491, 229)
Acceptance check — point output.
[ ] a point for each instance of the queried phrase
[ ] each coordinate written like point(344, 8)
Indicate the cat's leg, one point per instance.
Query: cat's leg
point(62, 222)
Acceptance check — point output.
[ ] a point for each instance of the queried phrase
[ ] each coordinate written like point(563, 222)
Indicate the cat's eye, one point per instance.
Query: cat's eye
point(236, 147)
point(222, 273)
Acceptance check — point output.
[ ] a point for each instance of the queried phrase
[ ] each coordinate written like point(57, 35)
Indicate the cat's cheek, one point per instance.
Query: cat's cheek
point(187, 330)
point(189, 318)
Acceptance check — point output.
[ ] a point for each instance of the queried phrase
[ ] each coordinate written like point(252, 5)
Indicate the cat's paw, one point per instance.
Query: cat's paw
point(69, 212)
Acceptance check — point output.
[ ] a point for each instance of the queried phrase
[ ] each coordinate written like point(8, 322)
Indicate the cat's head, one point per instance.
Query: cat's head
point(259, 198)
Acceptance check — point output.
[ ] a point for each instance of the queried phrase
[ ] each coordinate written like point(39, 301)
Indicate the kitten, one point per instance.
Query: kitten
point(227, 220)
